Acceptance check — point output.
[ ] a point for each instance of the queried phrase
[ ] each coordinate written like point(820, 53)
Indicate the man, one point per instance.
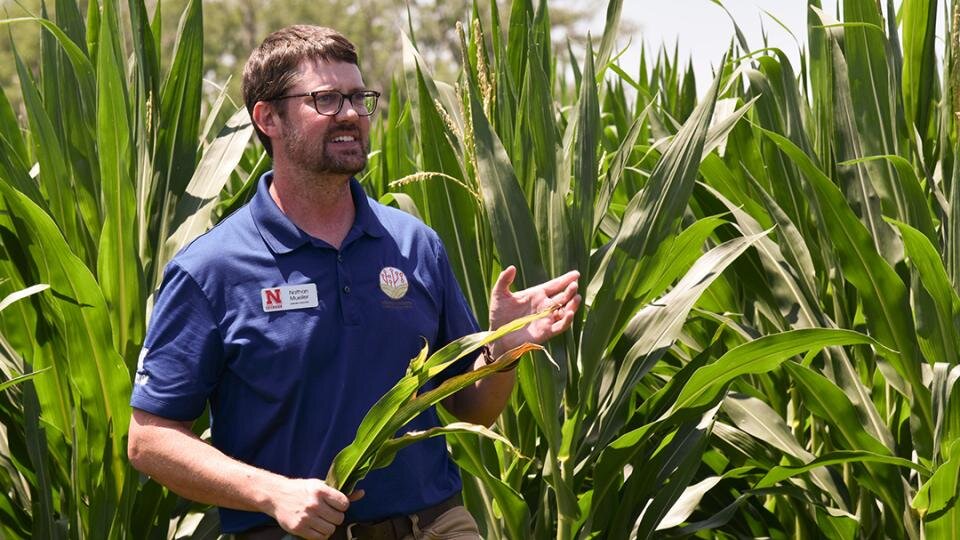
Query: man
point(296, 313)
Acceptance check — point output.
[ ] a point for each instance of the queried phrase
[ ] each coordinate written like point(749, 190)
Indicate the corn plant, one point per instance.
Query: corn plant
point(689, 399)
point(768, 342)
point(111, 174)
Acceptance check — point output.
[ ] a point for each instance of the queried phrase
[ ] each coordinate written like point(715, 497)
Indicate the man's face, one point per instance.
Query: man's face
point(326, 144)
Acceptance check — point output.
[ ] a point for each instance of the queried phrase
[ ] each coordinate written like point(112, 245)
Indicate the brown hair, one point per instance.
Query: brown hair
point(273, 67)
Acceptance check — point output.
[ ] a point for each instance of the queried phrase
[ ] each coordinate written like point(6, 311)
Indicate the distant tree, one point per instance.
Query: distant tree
point(232, 28)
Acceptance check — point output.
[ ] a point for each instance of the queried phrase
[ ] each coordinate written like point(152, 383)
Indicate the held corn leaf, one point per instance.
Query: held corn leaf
point(118, 266)
point(390, 448)
point(386, 416)
point(343, 479)
point(882, 293)
point(760, 356)
point(469, 457)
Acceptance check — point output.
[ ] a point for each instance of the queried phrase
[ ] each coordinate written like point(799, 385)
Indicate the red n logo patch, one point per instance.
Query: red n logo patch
point(273, 296)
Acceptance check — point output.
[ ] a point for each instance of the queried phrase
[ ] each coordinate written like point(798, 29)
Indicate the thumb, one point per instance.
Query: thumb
point(504, 281)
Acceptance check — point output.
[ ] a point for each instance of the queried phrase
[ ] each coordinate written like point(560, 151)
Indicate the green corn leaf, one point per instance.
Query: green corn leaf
point(21, 294)
point(919, 63)
point(828, 402)
point(118, 267)
point(453, 212)
point(655, 327)
point(781, 473)
point(939, 494)
point(180, 105)
point(344, 479)
point(760, 356)
point(54, 177)
point(649, 218)
point(514, 232)
point(882, 292)
point(759, 420)
point(88, 360)
point(193, 215)
point(933, 276)
point(22, 378)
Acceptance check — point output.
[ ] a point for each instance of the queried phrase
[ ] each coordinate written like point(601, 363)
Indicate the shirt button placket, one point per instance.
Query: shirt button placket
point(346, 298)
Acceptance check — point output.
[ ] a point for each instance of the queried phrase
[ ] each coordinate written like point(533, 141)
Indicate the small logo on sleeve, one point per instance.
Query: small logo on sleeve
point(289, 297)
point(141, 378)
point(393, 283)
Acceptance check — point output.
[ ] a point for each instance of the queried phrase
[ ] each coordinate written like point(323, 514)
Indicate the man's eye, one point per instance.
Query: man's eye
point(327, 100)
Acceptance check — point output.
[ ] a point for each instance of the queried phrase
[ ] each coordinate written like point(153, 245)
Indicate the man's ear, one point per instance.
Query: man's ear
point(265, 117)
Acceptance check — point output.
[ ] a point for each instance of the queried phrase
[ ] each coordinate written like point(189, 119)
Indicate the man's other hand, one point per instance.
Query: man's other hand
point(505, 306)
point(309, 508)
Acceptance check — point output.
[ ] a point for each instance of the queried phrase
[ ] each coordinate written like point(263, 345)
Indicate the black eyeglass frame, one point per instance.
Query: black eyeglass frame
point(362, 93)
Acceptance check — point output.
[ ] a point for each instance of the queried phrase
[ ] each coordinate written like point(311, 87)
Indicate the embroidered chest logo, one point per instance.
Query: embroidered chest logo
point(393, 283)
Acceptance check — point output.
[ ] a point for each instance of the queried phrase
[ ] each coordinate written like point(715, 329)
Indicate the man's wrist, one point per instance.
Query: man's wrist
point(486, 352)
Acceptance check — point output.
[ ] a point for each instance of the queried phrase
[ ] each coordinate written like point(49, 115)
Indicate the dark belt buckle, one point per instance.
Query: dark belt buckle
point(382, 530)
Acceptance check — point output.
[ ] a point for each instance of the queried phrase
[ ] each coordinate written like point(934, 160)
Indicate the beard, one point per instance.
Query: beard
point(326, 158)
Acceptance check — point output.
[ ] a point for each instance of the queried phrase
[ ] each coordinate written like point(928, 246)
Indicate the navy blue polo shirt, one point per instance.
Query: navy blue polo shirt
point(291, 341)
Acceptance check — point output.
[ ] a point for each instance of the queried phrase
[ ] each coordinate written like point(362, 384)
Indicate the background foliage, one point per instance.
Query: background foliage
point(768, 345)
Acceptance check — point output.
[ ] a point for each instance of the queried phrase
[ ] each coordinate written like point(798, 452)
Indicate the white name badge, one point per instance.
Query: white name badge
point(289, 297)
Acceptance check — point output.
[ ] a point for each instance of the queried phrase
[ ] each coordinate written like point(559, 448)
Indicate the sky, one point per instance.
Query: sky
point(703, 30)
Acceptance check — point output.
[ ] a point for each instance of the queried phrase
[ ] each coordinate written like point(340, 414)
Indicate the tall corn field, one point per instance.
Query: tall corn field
point(770, 265)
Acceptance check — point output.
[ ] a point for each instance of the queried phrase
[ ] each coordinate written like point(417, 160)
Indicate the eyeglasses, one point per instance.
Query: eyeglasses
point(329, 102)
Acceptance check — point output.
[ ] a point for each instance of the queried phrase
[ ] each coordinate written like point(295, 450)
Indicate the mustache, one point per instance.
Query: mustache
point(352, 132)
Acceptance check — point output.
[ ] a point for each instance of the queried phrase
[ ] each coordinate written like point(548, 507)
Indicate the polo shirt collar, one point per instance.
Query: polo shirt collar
point(283, 236)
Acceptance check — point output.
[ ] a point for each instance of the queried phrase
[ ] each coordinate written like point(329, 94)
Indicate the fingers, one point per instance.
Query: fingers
point(357, 495)
point(563, 299)
point(563, 317)
point(504, 281)
point(559, 283)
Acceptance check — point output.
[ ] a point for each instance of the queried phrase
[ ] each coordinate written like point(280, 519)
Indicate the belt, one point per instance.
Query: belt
point(392, 528)
point(395, 528)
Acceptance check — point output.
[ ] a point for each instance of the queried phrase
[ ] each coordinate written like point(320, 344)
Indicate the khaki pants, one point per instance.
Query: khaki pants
point(454, 524)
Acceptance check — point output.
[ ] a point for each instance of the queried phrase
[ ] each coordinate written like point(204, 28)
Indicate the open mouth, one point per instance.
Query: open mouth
point(344, 139)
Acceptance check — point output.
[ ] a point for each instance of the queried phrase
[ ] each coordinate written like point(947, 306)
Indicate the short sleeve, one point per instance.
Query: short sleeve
point(182, 356)
point(457, 319)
